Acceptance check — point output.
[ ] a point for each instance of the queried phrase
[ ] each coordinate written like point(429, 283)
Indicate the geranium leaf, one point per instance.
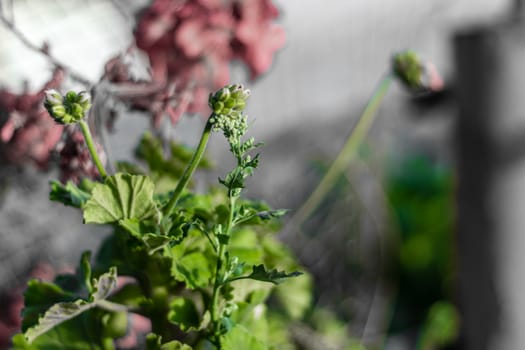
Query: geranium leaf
point(121, 196)
point(184, 314)
point(57, 314)
point(240, 338)
point(104, 285)
point(155, 242)
point(274, 276)
point(64, 311)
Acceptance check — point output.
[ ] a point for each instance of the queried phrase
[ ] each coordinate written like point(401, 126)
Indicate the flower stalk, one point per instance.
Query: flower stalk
point(347, 152)
point(188, 172)
point(92, 149)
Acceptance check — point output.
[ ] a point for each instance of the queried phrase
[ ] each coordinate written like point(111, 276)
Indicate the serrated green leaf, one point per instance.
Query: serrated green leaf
point(184, 314)
point(155, 242)
point(240, 338)
point(271, 214)
point(121, 196)
point(177, 225)
point(57, 314)
point(68, 194)
point(274, 276)
point(104, 285)
point(234, 179)
point(40, 296)
point(64, 311)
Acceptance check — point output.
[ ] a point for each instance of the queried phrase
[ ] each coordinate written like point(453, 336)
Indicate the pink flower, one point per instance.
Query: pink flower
point(258, 36)
point(190, 45)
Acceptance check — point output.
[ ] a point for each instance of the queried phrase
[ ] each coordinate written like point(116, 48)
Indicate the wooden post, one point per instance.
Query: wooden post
point(490, 70)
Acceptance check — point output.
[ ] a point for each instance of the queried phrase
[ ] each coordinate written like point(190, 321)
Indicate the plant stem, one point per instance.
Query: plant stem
point(346, 153)
point(92, 150)
point(188, 172)
point(219, 273)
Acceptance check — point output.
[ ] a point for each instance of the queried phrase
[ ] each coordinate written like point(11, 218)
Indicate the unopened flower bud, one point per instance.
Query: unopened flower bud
point(59, 110)
point(418, 75)
point(241, 104)
point(67, 109)
point(239, 92)
point(53, 98)
point(231, 98)
point(84, 100)
point(71, 96)
point(222, 94)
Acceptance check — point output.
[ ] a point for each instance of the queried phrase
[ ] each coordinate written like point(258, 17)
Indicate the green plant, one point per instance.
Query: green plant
point(202, 266)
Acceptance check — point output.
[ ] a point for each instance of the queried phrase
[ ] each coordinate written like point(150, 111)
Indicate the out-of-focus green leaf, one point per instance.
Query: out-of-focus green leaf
point(240, 338)
point(252, 316)
point(165, 166)
point(64, 311)
point(68, 194)
point(184, 314)
point(274, 276)
point(441, 327)
point(295, 296)
point(193, 269)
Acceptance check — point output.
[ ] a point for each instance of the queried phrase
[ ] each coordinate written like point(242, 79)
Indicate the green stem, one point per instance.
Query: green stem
point(346, 154)
point(219, 274)
point(188, 172)
point(111, 306)
point(217, 284)
point(92, 150)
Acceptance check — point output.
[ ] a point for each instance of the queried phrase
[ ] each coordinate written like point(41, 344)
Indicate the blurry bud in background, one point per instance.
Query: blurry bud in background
point(418, 75)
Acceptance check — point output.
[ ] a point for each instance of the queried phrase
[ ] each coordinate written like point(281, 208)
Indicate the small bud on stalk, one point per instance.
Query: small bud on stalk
point(417, 74)
point(67, 109)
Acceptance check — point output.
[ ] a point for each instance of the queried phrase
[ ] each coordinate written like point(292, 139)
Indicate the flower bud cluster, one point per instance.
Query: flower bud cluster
point(67, 109)
point(418, 75)
point(229, 99)
point(227, 106)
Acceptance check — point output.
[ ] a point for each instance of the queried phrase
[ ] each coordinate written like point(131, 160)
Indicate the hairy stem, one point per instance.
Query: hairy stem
point(346, 154)
point(92, 150)
point(188, 172)
point(219, 274)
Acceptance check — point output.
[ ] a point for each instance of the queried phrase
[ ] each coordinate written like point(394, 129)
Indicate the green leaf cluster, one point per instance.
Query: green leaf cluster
point(202, 272)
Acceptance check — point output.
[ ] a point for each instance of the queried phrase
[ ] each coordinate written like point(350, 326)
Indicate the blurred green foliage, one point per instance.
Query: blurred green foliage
point(421, 197)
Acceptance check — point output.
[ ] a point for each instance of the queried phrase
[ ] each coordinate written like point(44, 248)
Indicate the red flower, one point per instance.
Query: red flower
point(190, 45)
point(258, 36)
